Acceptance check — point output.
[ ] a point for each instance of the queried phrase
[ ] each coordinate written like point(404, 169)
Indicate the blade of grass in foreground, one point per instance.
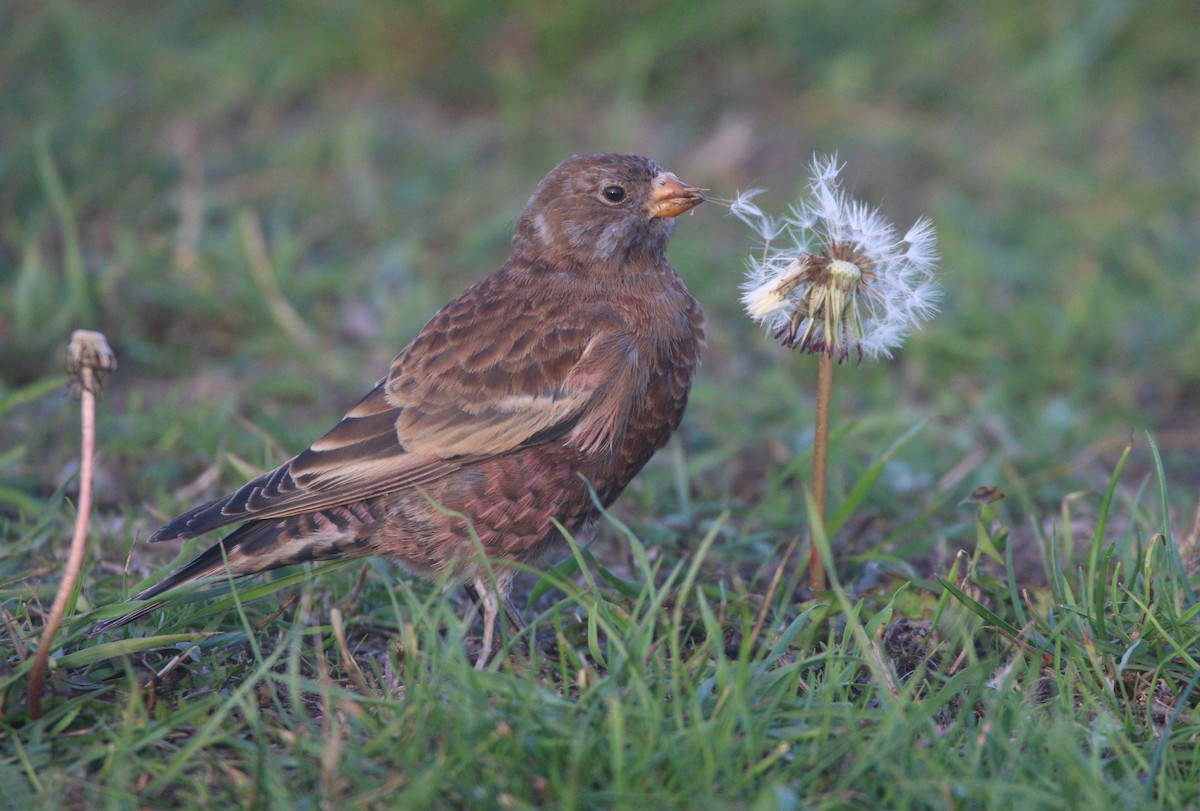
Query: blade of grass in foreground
point(1102, 519)
point(124, 647)
point(1165, 517)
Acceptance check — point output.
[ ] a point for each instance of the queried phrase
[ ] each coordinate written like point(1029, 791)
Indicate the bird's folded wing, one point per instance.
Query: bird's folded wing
point(588, 406)
point(406, 434)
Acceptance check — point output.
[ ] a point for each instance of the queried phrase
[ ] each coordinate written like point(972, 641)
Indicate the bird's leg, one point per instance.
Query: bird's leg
point(485, 597)
point(476, 591)
point(515, 620)
point(516, 624)
point(489, 600)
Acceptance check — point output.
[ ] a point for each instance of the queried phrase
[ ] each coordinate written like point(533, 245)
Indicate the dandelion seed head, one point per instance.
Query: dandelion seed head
point(843, 281)
point(765, 291)
point(763, 300)
point(845, 273)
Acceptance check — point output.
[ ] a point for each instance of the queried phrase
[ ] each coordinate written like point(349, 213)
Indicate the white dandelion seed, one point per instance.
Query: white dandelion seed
point(845, 281)
point(748, 212)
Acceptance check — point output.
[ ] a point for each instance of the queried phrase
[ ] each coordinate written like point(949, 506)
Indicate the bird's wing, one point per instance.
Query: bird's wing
point(444, 408)
point(587, 407)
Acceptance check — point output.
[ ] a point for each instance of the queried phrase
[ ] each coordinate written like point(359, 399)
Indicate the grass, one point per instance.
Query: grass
point(259, 207)
point(652, 691)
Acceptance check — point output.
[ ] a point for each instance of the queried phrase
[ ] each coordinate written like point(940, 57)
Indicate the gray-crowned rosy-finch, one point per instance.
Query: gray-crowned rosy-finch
point(565, 369)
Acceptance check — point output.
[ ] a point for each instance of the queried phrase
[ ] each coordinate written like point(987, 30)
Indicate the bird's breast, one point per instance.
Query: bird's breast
point(669, 351)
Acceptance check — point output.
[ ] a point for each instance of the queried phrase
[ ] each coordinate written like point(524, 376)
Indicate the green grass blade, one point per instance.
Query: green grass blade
point(859, 492)
point(78, 288)
point(1165, 516)
point(123, 647)
point(1102, 519)
point(31, 391)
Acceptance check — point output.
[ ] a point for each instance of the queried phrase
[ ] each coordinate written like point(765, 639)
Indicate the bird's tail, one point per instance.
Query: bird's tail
point(257, 546)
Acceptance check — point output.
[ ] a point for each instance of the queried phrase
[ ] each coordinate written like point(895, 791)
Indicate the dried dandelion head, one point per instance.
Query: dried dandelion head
point(845, 281)
point(87, 355)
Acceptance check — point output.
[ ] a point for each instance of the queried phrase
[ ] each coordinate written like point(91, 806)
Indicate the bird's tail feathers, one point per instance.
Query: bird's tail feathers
point(253, 548)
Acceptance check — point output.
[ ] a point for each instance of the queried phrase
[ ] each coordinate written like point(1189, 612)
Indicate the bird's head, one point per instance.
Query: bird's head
point(602, 210)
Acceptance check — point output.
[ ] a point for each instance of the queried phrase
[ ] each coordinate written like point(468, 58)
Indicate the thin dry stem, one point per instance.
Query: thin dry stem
point(87, 354)
point(765, 608)
point(816, 567)
point(259, 262)
point(352, 668)
point(18, 642)
point(331, 729)
point(175, 662)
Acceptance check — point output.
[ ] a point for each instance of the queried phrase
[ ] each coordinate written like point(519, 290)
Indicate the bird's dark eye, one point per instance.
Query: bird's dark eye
point(614, 194)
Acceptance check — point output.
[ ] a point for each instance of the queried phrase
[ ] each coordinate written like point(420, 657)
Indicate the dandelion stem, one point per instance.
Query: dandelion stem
point(75, 557)
point(88, 353)
point(845, 283)
point(816, 567)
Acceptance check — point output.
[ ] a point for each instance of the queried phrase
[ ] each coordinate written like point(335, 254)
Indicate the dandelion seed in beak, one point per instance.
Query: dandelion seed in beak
point(745, 209)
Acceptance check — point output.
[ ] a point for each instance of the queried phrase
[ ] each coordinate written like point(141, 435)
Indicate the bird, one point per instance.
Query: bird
point(554, 378)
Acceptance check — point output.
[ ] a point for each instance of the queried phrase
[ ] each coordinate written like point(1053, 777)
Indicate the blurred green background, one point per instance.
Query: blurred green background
point(187, 176)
